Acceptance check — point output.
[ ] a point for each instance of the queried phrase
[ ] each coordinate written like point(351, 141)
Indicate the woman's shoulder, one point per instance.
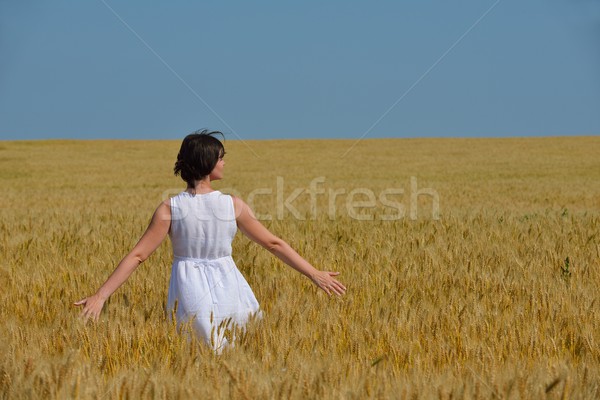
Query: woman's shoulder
point(236, 200)
point(230, 198)
point(238, 204)
point(163, 211)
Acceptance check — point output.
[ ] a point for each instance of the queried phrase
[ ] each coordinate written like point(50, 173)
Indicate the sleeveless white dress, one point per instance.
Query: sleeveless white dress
point(206, 288)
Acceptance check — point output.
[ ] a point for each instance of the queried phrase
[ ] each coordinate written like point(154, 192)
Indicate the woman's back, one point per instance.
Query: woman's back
point(206, 287)
point(202, 225)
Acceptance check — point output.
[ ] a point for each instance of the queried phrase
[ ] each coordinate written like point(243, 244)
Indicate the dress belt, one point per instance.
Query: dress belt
point(206, 262)
point(200, 262)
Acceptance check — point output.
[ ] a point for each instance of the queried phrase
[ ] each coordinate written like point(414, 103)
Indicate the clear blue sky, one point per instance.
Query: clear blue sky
point(274, 69)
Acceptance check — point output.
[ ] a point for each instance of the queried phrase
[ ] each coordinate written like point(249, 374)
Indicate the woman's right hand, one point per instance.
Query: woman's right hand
point(155, 233)
point(92, 306)
point(326, 281)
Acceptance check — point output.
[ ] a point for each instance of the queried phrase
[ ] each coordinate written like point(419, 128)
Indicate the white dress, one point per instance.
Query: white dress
point(206, 288)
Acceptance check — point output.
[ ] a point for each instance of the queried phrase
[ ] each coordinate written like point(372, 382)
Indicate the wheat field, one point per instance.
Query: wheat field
point(489, 293)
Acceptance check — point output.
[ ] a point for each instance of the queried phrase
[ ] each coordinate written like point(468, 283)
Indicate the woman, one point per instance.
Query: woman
point(206, 287)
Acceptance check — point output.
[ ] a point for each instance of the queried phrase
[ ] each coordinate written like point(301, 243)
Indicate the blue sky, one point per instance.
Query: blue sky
point(311, 69)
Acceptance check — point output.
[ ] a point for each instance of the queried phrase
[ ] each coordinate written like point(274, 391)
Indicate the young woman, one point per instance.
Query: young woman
point(206, 287)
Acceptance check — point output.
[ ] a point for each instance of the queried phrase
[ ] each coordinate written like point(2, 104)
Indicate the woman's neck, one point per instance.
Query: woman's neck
point(201, 186)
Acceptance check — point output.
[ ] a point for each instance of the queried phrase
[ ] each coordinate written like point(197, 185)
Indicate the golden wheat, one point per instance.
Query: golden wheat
point(495, 297)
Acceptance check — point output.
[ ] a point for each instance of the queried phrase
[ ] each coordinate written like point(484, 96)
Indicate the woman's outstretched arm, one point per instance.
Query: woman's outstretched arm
point(155, 233)
point(251, 227)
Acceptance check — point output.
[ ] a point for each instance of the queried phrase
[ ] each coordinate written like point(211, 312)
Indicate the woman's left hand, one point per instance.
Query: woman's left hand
point(326, 281)
point(92, 306)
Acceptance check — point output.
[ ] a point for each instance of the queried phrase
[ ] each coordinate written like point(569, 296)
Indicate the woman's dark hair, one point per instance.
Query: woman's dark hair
point(198, 155)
